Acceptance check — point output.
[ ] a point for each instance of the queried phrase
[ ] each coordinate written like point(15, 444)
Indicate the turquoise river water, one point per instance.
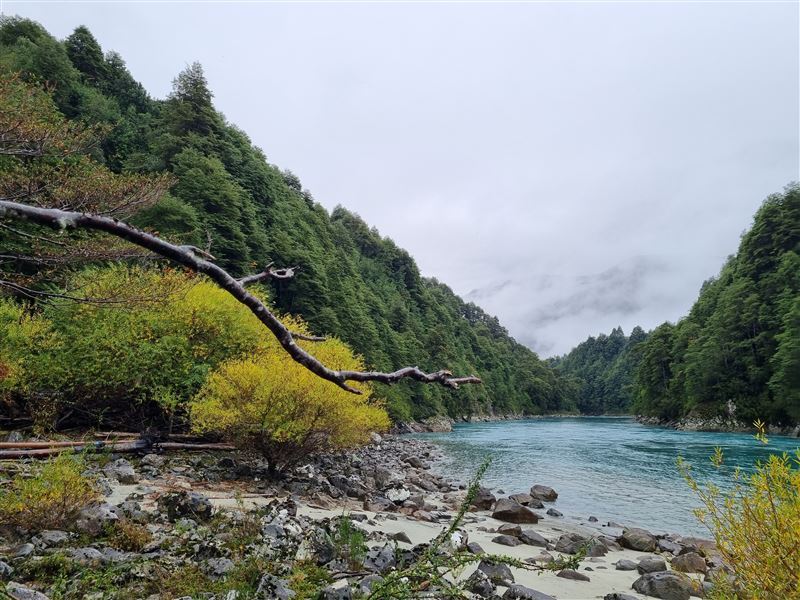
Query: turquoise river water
point(609, 467)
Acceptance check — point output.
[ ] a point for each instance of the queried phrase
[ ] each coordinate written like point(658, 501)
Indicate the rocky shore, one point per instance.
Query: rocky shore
point(716, 424)
point(216, 522)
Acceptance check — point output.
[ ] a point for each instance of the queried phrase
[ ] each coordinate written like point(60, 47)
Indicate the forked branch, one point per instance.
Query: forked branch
point(199, 262)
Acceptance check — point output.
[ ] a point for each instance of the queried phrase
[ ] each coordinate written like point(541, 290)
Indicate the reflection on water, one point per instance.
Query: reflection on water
point(612, 468)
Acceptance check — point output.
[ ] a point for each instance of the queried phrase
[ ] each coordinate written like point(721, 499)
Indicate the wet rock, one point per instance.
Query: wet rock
point(554, 513)
point(623, 564)
point(185, 504)
point(271, 587)
point(638, 539)
point(511, 512)
point(484, 499)
point(691, 562)
point(520, 592)
point(666, 585)
point(479, 583)
point(572, 574)
point(531, 538)
point(543, 492)
point(506, 540)
point(498, 573)
point(122, 471)
point(17, 591)
point(94, 519)
point(651, 564)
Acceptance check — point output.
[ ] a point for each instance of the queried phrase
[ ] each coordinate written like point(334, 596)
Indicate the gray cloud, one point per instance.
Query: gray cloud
point(587, 165)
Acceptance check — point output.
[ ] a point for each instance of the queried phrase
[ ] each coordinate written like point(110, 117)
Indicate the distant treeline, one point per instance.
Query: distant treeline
point(736, 354)
point(352, 282)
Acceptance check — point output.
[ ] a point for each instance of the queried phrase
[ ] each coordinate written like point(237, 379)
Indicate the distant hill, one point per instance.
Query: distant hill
point(603, 370)
point(352, 283)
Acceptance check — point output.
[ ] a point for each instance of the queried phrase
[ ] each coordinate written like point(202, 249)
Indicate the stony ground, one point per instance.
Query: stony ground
point(214, 526)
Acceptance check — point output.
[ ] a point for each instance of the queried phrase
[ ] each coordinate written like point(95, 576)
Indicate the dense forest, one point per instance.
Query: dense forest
point(603, 370)
point(737, 353)
point(351, 283)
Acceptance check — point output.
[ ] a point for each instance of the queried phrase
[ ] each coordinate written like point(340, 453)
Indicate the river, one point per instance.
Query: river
point(609, 467)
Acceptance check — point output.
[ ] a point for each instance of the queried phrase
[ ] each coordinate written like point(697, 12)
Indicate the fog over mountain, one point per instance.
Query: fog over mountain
point(568, 167)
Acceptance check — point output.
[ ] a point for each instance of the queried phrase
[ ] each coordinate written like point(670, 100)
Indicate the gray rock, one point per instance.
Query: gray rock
point(572, 574)
point(554, 513)
point(651, 564)
point(23, 550)
point(378, 504)
point(86, 556)
point(520, 592)
point(498, 573)
point(543, 492)
point(218, 567)
point(17, 591)
point(271, 587)
point(619, 596)
point(380, 560)
point(524, 499)
point(506, 540)
point(336, 593)
point(531, 538)
point(484, 499)
point(52, 538)
point(511, 512)
point(638, 539)
point(479, 583)
point(154, 461)
point(592, 519)
point(572, 543)
point(185, 504)
point(365, 585)
point(666, 585)
point(666, 545)
point(623, 564)
point(122, 471)
point(474, 548)
point(6, 570)
point(94, 519)
point(509, 529)
point(691, 562)
point(400, 536)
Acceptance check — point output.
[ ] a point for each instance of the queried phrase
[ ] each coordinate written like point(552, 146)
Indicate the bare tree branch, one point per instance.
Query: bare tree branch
point(189, 257)
point(269, 273)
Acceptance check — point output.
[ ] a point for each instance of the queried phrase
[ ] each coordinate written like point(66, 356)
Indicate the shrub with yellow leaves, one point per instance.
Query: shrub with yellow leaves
point(270, 404)
point(756, 526)
point(51, 498)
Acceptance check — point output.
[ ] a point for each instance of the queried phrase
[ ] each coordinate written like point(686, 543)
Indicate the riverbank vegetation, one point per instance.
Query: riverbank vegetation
point(223, 195)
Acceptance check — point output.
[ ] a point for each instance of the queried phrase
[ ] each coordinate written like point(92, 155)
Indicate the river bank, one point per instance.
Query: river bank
point(208, 514)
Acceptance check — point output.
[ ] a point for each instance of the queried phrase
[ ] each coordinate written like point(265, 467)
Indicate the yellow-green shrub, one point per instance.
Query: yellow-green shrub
point(756, 526)
point(23, 335)
point(51, 499)
point(269, 403)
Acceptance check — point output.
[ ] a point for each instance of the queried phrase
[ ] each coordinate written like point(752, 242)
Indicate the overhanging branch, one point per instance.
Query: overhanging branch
point(196, 260)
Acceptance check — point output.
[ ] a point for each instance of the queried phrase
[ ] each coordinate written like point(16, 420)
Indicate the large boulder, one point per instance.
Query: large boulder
point(479, 584)
point(498, 573)
point(484, 499)
point(520, 592)
point(691, 562)
point(93, 520)
point(506, 540)
point(572, 543)
point(531, 538)
point(512, 512)
point(17, 591)
point(572, 574)
point(543, 492)
point(122, 471)
point(185, 504)
point(666, 585)
point(638, 539)
point(651, 564)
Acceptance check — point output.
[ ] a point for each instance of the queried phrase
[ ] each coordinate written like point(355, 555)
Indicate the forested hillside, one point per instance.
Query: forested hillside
point(603, 369)
point(738, 350)
point(351, 282)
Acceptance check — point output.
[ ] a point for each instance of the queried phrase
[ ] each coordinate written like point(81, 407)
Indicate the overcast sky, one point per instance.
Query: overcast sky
point(569, 167)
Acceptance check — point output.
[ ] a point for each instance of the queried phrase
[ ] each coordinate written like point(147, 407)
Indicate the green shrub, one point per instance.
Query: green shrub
point(51, 499)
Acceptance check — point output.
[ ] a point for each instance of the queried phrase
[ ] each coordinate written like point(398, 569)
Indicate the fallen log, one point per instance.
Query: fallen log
point(35, 450)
